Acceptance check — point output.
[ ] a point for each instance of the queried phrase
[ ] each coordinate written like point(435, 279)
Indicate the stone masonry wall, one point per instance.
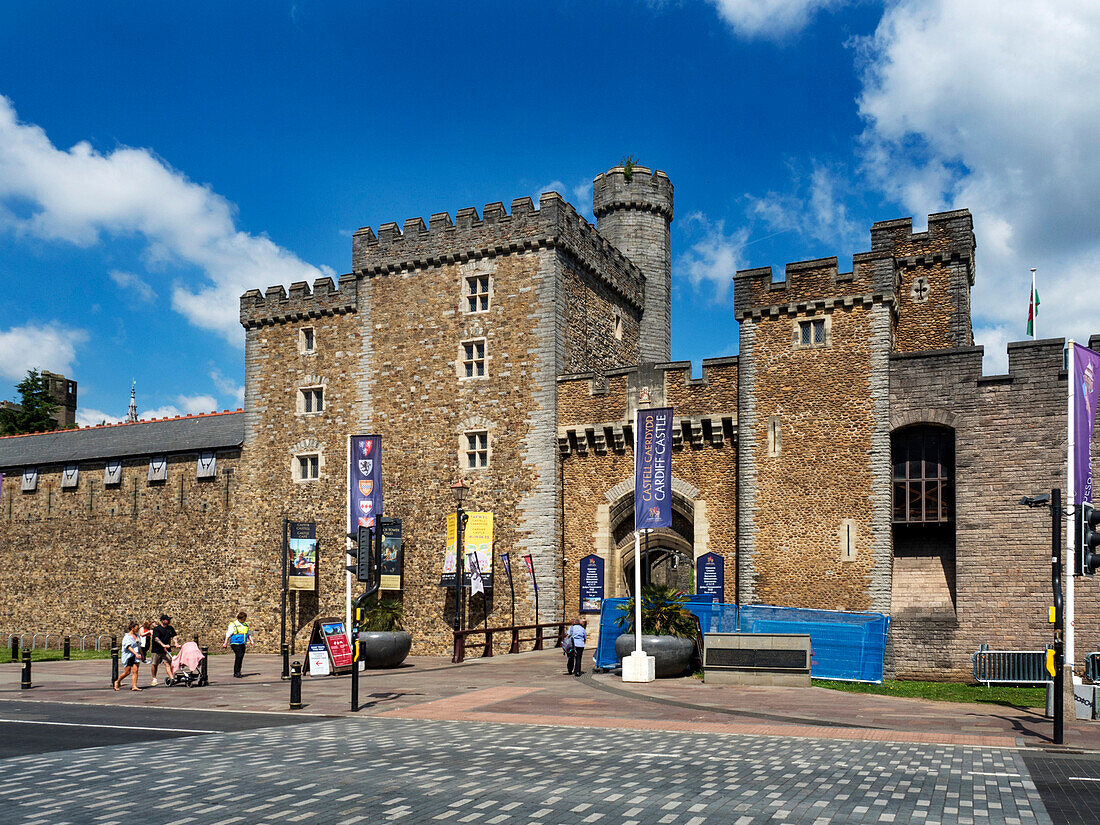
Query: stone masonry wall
point(84, 560)
point(1010, 441)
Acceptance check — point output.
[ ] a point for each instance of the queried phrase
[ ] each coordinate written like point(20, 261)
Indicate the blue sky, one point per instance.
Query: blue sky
point(156, 160)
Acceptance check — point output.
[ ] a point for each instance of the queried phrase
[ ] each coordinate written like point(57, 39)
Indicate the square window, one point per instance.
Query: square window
point(306, 341)
point(477, 293)
point(309, 467)
point(473, 358)
point(812, 333)
point(312, 399)
point(477, 449)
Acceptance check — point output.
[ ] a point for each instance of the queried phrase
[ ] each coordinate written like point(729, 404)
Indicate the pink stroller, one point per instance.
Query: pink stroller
point(187, 667)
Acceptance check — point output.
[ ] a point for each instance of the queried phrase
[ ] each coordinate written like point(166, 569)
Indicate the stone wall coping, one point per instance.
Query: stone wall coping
point(950, 352)
point(598, 380)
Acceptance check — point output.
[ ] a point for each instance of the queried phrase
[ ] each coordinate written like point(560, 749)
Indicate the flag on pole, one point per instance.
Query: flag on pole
point(1033, 307)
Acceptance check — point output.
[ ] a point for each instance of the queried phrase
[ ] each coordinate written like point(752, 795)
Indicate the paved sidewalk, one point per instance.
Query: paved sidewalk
point(532, 688)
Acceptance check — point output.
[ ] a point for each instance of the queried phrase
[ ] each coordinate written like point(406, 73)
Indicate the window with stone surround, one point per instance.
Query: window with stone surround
point(307, 342)
point(472, 357)
point(475, 445)
point(810, 333)
point(308, 467)
point(311, 400)
point(478, 293)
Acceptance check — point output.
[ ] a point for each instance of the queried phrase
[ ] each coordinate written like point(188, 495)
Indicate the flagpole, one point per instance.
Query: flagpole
point(637, 596)
point(1034, 309)
point(1072, 501)
point(348, 546)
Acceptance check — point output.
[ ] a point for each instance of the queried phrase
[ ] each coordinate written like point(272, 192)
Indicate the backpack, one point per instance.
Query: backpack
point(567, 644)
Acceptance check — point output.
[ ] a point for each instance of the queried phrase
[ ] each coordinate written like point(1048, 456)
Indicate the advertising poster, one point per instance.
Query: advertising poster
point(336, 640)
point(365, 475)
point(710, 577)
point(653, 468)
point(318, 661)
point(478, 538)
point(393, 554)
point(301, 548)
point(591, 584)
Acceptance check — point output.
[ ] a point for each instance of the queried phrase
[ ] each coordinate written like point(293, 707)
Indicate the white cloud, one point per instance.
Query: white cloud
point(49, 347)
point(79, 195)
point(817, 210)
point(87, 417)
point(134, 283)
point(185, 405)
point(227, 386)
point(993, 106)
point(995, 340)
point(771, 18)
point(714, 256)
point(579, 195)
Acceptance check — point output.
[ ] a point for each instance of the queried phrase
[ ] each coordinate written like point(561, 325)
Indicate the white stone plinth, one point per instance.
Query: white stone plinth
point(638, 667)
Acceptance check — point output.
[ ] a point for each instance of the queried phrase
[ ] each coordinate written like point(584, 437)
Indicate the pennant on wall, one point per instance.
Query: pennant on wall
point(70, 477)
point(158, 468)
point(112, 473)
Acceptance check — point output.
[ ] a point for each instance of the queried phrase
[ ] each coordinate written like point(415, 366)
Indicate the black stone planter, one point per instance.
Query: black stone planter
point(671, 654)
point(379, 649)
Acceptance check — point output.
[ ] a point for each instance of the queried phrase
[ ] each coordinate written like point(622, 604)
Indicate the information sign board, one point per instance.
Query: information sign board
point(710, 577)
point(318, 661)
point(393, 554)
point(591, 584)
point(331, 634)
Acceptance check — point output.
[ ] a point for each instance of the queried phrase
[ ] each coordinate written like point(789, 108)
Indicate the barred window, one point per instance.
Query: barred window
point(477, 449)
point(477, 293)
point(924, 469)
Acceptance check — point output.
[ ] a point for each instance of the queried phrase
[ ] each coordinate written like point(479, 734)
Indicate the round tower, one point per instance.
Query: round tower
point(634, 211)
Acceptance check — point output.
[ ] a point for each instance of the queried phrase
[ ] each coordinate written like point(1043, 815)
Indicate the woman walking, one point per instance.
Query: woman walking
point(237, 636)
point(131, 656)
point(578, 635)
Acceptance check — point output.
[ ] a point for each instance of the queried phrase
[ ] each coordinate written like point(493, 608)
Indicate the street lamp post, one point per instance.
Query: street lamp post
point(460, 490)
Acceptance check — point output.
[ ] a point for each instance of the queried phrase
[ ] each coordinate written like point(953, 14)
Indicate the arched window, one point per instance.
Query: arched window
point(924, 475)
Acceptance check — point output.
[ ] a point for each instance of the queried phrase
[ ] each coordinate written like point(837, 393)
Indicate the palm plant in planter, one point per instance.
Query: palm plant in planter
point(383, 640)
point(668, 629)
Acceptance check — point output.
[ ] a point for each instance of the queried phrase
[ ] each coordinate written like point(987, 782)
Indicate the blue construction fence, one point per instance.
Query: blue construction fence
point(845, 646)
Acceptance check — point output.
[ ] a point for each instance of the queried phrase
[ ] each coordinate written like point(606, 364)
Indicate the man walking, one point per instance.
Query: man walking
point(164, 639)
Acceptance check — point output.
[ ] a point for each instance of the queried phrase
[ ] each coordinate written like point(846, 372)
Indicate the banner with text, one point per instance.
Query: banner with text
point(365, 475)
point(301, 548)
point(653, 468)
point(477, 538)
point(591, 583)
point(1085, 390)
point(710, 577)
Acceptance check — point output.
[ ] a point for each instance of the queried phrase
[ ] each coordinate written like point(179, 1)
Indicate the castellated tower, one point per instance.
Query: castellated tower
point(634, 212)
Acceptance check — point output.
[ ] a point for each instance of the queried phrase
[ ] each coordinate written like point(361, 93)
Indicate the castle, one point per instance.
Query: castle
point(852, 456)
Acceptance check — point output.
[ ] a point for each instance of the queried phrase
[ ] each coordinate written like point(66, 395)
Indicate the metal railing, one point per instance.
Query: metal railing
point(59, 638)
point(1020, 667)
point(539, 637)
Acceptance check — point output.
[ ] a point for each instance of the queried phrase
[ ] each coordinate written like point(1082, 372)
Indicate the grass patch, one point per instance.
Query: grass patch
point(52, 655)
point(1018, 697)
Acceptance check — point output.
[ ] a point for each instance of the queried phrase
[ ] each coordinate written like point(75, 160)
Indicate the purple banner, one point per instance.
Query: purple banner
point(653, 468)
point(507, 567)
point(1085, 389)
point(365, 475)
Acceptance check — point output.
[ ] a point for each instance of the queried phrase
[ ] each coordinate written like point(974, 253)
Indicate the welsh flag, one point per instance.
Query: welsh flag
point(1032, 309)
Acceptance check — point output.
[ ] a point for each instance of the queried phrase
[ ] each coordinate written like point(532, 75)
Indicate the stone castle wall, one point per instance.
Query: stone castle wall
point(84, 560)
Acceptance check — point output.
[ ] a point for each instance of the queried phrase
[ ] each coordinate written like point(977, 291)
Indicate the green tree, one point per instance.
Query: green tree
point(36, 415)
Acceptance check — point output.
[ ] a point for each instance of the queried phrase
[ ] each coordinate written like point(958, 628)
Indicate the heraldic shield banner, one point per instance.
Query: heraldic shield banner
point(365, 477)
point(653, 468)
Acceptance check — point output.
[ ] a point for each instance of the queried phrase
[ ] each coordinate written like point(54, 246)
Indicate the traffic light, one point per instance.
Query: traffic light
point(1086, 559)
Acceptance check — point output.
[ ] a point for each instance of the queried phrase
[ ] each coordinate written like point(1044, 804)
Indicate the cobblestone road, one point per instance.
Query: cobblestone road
point(392, 770)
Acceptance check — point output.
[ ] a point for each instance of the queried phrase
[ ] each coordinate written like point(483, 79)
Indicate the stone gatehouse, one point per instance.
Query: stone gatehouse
point(852, 456)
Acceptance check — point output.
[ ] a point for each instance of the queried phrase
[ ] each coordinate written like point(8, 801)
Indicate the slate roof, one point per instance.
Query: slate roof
point(190, 433)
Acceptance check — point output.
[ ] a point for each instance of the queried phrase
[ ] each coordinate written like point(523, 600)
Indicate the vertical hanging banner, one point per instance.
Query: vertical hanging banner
point(591, 584)
point(653, 468)
point(530, 564)
point(1086, 389)
point(301, 548)
point(507, 567)
point(710, 577)
point(478, 538)
point(365, 476)
point(393, 555)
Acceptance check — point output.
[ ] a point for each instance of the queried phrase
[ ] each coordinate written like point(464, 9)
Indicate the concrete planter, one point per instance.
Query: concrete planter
point(380, 649)
point(671, 654)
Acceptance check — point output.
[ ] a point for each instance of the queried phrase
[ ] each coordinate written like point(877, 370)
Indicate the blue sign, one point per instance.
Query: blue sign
point(365, 475)
point(653, 468)
point(710, 577)
point(591, 583)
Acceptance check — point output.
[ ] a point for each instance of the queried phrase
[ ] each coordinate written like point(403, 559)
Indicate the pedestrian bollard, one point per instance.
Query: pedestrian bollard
point(285, 650)
point(355, 679)
point(26, 683)
point(65, 651)
point(114, 662)
point(14, 649)
point(296, 686)
point(203, 679)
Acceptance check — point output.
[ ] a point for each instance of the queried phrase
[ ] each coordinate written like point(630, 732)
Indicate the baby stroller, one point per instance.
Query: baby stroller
point(187, 667)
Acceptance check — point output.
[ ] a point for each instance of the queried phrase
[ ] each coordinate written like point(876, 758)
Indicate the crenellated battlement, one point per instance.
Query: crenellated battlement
point(948, 233)
point(277, 305)
point(555, 224)
point(644, 190)
point(808, 286)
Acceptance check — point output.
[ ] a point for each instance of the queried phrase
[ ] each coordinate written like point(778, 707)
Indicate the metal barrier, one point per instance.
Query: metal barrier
point(60, 637)
point(100, 638)
point(1022, 667)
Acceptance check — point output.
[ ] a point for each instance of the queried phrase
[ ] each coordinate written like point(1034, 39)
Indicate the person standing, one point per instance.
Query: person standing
point(578, 635)
point(164, 639)
point(146, 636)
point(131, 656)
point(237, 636)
